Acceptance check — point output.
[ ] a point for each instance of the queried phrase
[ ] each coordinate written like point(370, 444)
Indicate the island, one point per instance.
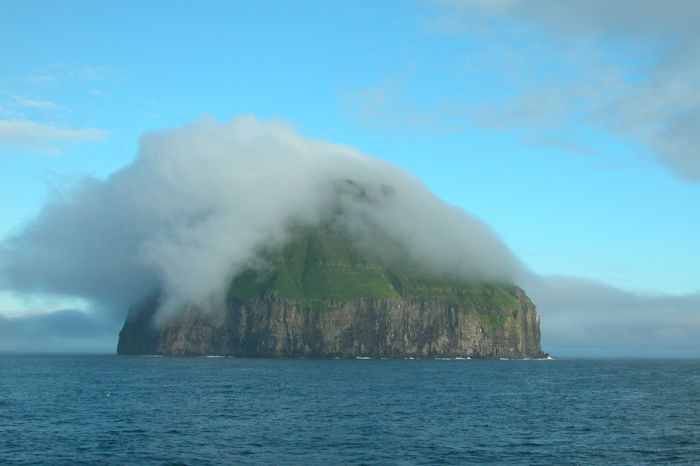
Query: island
point(322, 296)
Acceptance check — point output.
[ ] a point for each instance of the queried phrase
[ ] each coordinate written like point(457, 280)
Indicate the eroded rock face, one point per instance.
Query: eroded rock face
point(275, 327)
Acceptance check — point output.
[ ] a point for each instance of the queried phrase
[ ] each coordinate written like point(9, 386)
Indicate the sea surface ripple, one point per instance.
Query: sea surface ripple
point(141, 410)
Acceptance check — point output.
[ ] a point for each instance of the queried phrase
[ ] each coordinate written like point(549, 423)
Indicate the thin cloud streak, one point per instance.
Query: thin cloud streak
point(28, 132)
point(36, 104)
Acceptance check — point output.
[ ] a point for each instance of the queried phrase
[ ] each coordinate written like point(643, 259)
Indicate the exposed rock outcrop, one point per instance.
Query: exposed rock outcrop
point(275, 327)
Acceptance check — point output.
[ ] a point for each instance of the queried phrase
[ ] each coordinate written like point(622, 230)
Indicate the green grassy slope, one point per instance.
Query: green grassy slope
point(322, 264)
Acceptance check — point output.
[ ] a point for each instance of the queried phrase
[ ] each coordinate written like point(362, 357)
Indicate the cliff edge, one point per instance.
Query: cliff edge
point(321, 297)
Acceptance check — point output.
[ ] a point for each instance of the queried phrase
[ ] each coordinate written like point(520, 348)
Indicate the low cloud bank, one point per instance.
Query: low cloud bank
point(59, 331)
point(587, 318)
point(199, 203)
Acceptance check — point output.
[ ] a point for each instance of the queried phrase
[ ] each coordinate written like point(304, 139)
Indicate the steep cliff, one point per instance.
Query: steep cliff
point(321, 297)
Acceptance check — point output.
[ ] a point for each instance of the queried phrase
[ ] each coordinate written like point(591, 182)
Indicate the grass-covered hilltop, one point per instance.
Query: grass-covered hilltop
point(321, 267)
point(325, 294)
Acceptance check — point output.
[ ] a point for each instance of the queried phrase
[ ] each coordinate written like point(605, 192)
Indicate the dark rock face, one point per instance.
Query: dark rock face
point(270, 326)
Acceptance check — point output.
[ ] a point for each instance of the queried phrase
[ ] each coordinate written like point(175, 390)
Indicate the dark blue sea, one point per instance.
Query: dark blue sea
point(143, 410)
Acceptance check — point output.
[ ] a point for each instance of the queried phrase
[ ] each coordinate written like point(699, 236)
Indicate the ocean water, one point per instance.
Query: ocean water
point(141, 410)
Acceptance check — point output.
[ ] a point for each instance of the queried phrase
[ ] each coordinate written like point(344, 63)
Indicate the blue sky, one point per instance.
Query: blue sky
point(559, 129)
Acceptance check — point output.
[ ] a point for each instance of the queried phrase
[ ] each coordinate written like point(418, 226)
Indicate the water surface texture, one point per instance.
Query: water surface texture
point(120, 409)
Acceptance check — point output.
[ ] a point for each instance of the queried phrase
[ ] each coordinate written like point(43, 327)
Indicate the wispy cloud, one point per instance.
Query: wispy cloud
point(35, 104)
point(99, 93)
point(645, 90)
point(385, 107)
point(56, 72)
point(91, 73)
point(382, 107)
point(32, 132)
point(41, 79)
